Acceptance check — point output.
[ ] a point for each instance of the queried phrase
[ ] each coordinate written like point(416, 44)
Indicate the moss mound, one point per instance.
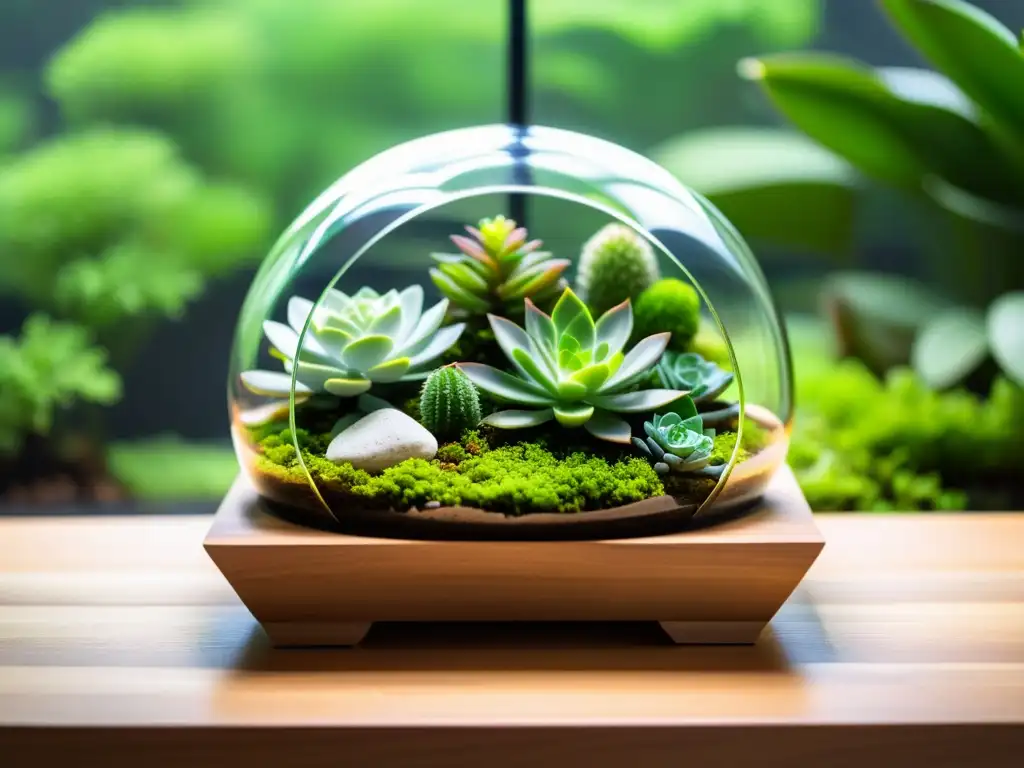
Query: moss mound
point(512, 479)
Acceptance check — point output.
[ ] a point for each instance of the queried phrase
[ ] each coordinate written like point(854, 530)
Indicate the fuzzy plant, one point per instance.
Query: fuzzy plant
point(677, 441)
point(449, 403)
point(703, 379)
point(615, 264)
point(353, 342)
point(496, 269)
point(572, 369)
point(671, 305)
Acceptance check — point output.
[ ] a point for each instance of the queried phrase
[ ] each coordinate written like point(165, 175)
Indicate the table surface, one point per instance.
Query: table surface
point(904, 645)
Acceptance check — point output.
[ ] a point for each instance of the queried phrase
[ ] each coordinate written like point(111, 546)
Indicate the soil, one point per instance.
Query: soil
point(47, 472)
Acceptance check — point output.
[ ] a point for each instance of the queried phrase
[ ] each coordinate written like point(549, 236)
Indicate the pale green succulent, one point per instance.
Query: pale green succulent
point(701, 378)
point(677, 441)
point(572, 369)
point(354, 342)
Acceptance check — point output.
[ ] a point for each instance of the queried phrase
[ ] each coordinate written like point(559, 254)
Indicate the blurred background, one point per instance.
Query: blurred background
point(150, 152)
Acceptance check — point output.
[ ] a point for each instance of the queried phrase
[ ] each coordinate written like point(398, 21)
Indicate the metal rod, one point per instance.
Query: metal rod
point(517, 99)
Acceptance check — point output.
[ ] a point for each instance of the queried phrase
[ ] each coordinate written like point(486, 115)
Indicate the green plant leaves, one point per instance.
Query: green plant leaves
point(775, 185)
point(895, 125)
point(950, 347)
point(977, 52)
point(1005, 325)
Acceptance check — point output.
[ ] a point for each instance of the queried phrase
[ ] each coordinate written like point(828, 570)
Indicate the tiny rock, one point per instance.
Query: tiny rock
point(382, 439)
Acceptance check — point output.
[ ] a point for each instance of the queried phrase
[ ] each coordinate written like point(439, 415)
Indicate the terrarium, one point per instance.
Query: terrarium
point(505, 332)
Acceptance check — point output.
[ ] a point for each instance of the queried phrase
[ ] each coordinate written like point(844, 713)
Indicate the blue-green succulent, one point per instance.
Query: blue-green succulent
point(572, 369)
point(677, 440)
point(703, 379)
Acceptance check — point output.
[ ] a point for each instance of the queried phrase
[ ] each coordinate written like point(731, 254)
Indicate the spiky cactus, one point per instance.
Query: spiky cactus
point(496, 269)
point(449, 403)
point(615, 264)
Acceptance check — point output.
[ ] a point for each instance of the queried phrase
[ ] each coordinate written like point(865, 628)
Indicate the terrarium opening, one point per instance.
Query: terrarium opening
point(423, 358)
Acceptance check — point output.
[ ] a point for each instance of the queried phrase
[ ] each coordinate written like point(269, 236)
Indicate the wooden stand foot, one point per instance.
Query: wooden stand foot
point(713, 632)
point(294, 634)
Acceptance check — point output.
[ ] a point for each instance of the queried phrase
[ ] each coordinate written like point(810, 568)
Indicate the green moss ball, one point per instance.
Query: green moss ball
point(668, 305)
point(616, 264)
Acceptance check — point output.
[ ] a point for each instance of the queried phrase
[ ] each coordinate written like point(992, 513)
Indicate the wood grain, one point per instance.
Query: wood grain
point(121, 645)
point(308, 586)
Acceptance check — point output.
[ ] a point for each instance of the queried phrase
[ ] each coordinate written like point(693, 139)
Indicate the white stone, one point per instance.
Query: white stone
point(382, 439)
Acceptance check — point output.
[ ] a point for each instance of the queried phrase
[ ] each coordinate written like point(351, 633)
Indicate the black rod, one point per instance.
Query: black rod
point(517, 98)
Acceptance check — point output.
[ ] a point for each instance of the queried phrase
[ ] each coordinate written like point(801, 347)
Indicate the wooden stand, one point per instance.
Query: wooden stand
point(720, 584)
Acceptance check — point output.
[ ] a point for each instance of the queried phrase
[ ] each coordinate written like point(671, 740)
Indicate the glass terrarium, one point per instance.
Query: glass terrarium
point(510, 332)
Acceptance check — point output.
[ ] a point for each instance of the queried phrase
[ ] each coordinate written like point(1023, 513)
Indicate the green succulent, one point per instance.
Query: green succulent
point(496, 269)
point(701, 378)
point(354, 342)
point(449, 403)
point(615, 264)
point(572, 369)
point(677, 441)
point(672, 305)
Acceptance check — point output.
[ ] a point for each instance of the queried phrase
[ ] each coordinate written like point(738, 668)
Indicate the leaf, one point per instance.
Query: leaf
point(1006, 334)
point(775, 185)
point(503, 385)
point(573, 415)
point(896, 125)
point(639, 359)
point(641, 401)
point(347, 387)
point(876, 316)
point(972, 48)
point(270, 383)
point(366, 352)
point(442, 341)
point(518, 419)
point(950, 348)
point(390, 370)
point(567, 309)
point(614, 327)
point(604, 426)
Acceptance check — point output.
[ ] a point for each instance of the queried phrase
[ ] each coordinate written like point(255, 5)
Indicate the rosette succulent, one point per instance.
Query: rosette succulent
point(354, 342)
point(497, 268)
point(572, 369)
point(701, 378)
point(677, 441)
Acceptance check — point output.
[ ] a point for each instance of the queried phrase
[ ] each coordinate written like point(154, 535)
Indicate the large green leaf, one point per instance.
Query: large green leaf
point(950, 347)
point(877, 317)
point(776, 186)
point(897, 125)
point(977, 52)
point(1006, 334)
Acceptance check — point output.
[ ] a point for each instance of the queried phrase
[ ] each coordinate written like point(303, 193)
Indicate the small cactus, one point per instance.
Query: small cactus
point(616, 264)
point(449, 403)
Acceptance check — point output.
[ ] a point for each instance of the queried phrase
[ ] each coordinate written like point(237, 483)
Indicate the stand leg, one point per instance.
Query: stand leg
point(295, 634)
point(713, 632)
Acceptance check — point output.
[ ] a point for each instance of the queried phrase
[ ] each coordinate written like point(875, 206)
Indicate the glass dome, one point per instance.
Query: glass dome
point(515, 333)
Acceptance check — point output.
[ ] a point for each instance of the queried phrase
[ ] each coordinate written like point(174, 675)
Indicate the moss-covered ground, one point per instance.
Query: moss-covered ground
point(531, 471)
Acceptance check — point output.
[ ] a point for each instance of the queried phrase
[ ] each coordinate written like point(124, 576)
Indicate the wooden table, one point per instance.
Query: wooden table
point(121, 645)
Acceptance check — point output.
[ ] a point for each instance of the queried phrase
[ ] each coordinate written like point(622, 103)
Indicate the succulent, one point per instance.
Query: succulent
point(449, 403)
point(677, 440)
point(670, 305)
point(701, 378)
point(572, 369)
point(496, 269)
point(354, 342)
point(615, 264)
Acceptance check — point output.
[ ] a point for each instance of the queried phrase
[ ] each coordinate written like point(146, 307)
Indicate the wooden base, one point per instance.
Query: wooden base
point(721, 584)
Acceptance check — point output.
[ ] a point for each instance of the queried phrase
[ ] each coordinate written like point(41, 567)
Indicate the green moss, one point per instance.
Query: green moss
point(512, 479)
point(668, 305)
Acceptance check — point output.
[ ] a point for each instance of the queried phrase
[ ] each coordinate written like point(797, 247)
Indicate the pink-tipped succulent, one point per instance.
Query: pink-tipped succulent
point(497, 268)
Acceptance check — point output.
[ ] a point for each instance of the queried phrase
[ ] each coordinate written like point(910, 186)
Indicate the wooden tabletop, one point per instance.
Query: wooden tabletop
point(120, 644)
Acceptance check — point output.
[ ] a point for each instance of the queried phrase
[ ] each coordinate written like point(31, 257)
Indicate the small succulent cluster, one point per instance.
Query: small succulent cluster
point(353, 342)
point(677, 440)
point(572, 369)
point(449, 403)
point(497, 268)
point(615, 264)
point(703, 379)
